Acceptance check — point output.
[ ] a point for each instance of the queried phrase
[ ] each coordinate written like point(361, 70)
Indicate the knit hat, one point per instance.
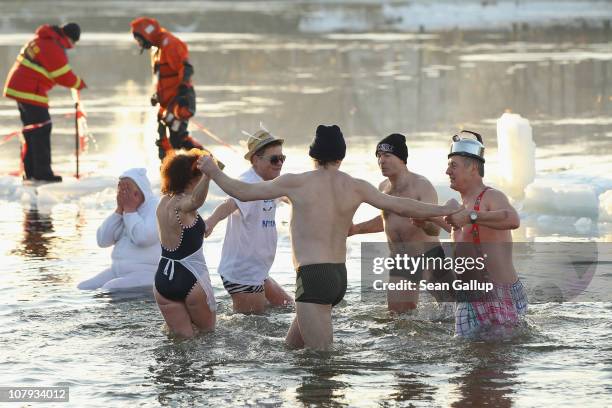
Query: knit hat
point(72, 31)
point(328, 144)
point(394, 144)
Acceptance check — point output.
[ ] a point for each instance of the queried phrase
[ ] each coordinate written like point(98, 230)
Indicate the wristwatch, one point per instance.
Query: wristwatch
point(473, 217)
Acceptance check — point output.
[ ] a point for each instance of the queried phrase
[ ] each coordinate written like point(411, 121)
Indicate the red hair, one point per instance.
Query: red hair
point(178, 170)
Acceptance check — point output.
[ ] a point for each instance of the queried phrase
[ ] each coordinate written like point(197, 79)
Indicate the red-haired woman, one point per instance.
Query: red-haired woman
point(183, 290)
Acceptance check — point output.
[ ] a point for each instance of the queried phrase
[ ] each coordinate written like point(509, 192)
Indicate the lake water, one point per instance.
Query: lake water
point(293, 66)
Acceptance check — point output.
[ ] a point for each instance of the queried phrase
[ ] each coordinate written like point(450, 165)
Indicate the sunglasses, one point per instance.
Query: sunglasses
point(275, 158)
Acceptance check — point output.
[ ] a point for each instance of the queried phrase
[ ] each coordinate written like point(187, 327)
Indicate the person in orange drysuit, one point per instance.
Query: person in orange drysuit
point(41, 64)
point(174, 94)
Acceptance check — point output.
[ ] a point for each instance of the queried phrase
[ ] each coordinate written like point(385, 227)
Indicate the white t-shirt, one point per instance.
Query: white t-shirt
point(250, 239)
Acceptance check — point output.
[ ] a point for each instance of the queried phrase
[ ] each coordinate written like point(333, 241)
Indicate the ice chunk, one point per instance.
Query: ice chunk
point(605, 206)
point(516, 153)
point(583, 225)
point(547, 197)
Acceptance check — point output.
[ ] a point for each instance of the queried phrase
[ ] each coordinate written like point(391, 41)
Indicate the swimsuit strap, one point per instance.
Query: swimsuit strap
point(176, 212)
point(475, 231)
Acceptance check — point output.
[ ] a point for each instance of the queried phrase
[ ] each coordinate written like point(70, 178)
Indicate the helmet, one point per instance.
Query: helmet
point(147, 30)
point(462, 146)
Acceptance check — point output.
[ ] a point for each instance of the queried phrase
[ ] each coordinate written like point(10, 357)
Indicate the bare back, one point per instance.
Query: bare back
point(170, 231)
point(324, 202)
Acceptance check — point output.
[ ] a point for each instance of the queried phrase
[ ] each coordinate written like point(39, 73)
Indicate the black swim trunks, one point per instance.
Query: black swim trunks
point(324, 284)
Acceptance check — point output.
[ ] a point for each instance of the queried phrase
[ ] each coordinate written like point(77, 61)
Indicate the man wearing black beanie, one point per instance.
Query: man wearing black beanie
point(405, 236)
point(72, 31)
point(42, 64)
point(328, 145)
point(324, 201)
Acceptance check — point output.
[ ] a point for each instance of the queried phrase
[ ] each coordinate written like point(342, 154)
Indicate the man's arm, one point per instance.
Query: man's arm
point(106, 233)
point(406, 207)
point(265, 190)
point(500, 215)
point(142, 230)
point(220, 213)
point(367, 227)
point(428, 195)
point(197, 197)
point(55, 61)
point(439, 221)
point(187, 72)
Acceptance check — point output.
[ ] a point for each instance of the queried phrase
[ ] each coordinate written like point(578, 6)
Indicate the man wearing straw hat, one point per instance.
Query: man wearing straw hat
point(324, 201)
point(250, 237)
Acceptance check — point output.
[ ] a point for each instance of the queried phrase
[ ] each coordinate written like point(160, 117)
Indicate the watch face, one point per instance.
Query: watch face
point(473, 216)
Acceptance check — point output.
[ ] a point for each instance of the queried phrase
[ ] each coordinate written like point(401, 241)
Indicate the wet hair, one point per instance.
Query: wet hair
point(262, 151)
point(178, 170)
point(478, 163)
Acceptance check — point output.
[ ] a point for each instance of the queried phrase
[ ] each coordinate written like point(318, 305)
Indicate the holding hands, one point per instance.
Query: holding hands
point(453, 206)
point(208, 165)
point(458, 219)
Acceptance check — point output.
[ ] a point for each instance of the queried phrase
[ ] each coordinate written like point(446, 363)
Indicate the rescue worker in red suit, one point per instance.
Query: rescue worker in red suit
point(41, 64)
point(174, 94)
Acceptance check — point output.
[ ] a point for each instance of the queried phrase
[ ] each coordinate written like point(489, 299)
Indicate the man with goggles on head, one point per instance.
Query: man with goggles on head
point(484, 229)
point(250, 238)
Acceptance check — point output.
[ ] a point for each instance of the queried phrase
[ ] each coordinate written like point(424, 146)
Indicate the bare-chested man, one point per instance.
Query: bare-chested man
point(324, 201)
point(484, 227)
point(404, 235)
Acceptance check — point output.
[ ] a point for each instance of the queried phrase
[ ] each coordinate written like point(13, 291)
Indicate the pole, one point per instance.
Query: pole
point(76, 136)
point(76, 98)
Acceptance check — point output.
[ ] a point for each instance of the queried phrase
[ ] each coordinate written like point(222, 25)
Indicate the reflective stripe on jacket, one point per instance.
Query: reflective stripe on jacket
point(41, 65)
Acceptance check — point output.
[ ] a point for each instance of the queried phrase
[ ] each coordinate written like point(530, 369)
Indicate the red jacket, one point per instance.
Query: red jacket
point(168, 66)
point(41, 64)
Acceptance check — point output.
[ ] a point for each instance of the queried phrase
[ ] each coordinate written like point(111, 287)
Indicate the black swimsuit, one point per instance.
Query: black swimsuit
point(177, 284)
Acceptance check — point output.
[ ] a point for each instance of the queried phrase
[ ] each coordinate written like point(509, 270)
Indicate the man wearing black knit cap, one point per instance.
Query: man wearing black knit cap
point(405, 236)
point(41, 64)
point(324, 201)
